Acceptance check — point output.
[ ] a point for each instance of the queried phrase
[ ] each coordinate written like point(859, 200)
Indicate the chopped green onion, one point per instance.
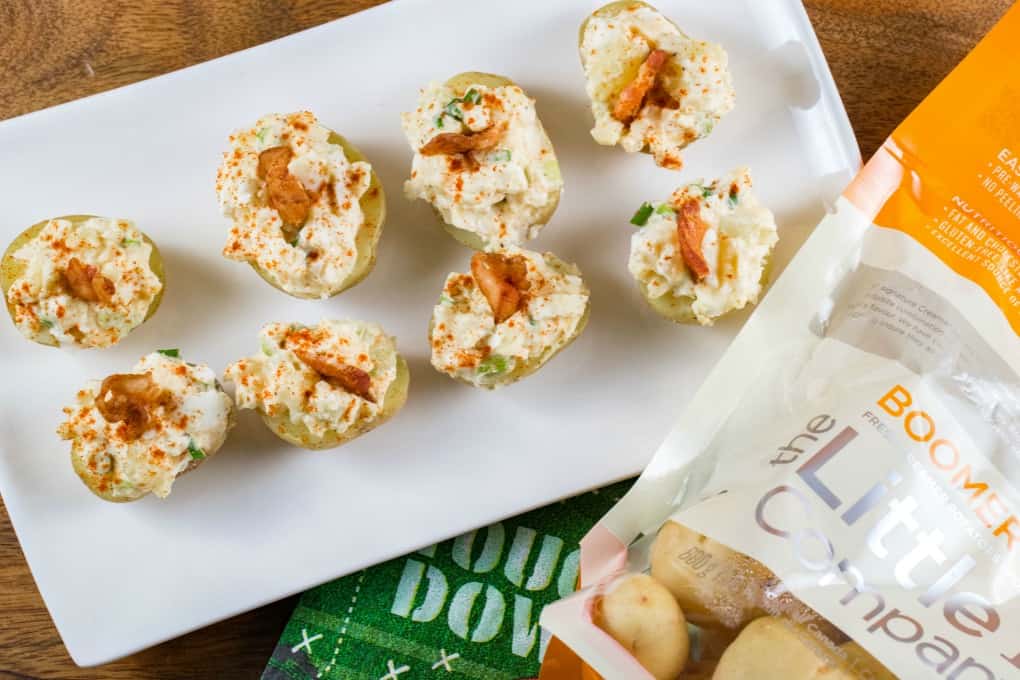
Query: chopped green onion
point(707, 191)
point(552, 170)
point(293, 242)
point(445, 300)
point(734, 199)
point(124, 243)
point(500, 156)
point(452, 111)
point(707, 128)
point(175, 353)
point(196, 453)
point(531, 320)
point(640, 218)
point(665, 209)
point(261, 135)
point(46, 323)
point(494, 364)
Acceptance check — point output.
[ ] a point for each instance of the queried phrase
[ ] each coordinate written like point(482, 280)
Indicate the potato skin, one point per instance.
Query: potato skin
point(678, 309)
point(532, 366)
point(639, 613)
point(526, 369)
point(611, 10)
point(473, 241)
point(460, 84)
point(464, 237)
point(11, 268)
point(96, 483)
point(298, 435)
point(462, 81)
point(373, 207)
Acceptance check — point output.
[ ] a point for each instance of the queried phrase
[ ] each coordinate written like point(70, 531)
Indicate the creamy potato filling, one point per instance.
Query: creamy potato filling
point(736, 238)
point(469, 342)
point(687, 96)
point(327, 378)
point(85, 284)
point(293, 197)
point(179, 417)
point(483, 161)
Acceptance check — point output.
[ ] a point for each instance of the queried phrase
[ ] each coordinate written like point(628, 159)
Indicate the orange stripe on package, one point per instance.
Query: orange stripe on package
point(840, 498)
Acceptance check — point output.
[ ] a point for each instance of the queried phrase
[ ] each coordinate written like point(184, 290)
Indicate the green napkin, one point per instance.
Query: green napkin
point(464, 608)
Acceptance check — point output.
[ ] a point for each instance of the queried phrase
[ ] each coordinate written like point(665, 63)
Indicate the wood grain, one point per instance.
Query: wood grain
point(884, 54)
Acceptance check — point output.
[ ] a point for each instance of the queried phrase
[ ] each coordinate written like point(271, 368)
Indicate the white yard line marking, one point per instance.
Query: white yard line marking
point(445, 660)
point(394, 671)
point(306, 642)
point(343, 629)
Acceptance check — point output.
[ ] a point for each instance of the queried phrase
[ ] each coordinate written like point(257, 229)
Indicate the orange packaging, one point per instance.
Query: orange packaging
point(950, 173)
point(840, 498)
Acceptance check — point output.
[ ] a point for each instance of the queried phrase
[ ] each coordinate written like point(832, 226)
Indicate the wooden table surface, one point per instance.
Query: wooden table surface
point(885, 56)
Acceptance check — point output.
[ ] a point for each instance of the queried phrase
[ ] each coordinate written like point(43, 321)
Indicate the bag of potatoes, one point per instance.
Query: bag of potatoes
point(840, 498)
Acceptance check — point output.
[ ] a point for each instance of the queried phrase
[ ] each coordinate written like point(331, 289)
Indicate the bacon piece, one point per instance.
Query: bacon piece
point(129, 398)
point(503, 281)
point(460, 162)
point(448, 143)
point(348, 378)
point(286, 194)
point(659, 96)
point(86, 283)
point(630, 100)
point(691, 230)
point(103, 288)
point(79, 279)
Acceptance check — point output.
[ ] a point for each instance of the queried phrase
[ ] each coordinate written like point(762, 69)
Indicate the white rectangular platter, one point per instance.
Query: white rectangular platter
point(261, 520)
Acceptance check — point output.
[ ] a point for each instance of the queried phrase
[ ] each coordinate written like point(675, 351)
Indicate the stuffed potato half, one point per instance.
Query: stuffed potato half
point(705, 251)
point(134, 433)
point(81, 280)
point(482, 160)
point(307, 207)
point(652, 88)
point(507, 317)
point(320, 386)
